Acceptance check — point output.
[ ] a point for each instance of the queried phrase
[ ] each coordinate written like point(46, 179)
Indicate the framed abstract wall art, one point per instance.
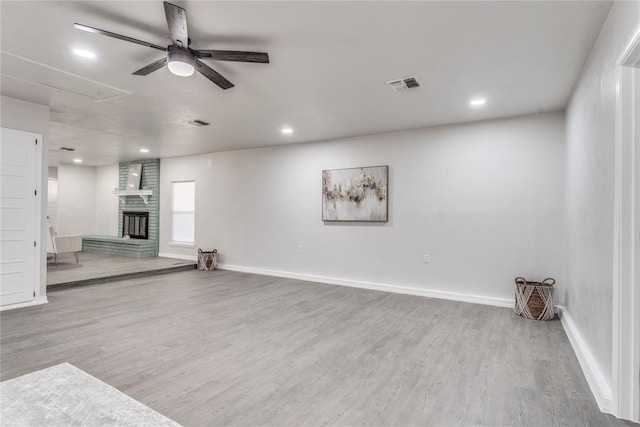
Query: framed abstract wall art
point(355, 194)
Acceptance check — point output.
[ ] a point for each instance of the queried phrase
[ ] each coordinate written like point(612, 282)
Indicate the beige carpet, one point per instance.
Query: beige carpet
point(64, 395)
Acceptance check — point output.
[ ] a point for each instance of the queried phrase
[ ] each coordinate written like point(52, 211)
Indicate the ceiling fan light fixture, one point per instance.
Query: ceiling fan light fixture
point(181, 62)
point(182, 69)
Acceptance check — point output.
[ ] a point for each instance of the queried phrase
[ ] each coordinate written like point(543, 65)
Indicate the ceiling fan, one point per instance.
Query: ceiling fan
point(180, 58)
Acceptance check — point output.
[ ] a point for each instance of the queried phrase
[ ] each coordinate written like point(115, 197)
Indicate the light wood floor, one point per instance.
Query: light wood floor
point(93, 265)
point(225, 348)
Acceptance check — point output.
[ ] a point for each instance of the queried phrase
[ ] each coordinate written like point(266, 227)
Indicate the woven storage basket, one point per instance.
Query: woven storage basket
point(207, 260)
point(534, 300)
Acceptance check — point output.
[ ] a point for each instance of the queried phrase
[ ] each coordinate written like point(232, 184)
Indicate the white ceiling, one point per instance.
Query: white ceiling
point(326, 79)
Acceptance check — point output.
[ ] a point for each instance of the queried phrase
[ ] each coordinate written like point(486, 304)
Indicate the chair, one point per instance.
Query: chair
point(57, 245)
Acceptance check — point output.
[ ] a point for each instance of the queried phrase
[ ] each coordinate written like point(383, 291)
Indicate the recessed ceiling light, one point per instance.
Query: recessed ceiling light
point(477, 102)
point(286, 130)
point(144, 150)
point(84, 53)
point(77, 160)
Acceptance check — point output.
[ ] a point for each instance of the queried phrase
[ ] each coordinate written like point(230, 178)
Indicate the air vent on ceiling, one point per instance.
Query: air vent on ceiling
point(59, 148)
point(404, 84)
point(197, 122)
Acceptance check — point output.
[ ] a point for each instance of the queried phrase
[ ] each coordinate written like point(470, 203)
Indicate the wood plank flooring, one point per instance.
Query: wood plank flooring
point(93, 267)
point(226, 348)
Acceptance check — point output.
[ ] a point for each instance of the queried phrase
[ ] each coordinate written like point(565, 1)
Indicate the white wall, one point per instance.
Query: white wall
point(30, 117)
point(76, 199)
point(590, 187)
point(106, 201)
point(484, 200)
point(86, 203)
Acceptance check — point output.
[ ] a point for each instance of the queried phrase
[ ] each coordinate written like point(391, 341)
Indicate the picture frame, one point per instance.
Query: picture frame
point(357, 194)
point(134, 176)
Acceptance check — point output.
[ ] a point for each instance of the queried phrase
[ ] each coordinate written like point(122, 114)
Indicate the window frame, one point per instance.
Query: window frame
point(179, 243)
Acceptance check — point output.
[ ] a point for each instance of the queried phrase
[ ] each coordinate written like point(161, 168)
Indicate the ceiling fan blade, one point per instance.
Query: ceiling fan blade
point(154, 66)
point(117, 36)
point(213, 75)
point(234, 55)
point(177, 22)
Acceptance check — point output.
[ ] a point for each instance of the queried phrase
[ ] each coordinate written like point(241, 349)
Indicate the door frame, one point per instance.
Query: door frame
point(626, 251)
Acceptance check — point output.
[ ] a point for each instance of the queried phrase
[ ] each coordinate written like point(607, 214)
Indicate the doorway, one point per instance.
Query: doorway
point(52, 199)
point(626, 289)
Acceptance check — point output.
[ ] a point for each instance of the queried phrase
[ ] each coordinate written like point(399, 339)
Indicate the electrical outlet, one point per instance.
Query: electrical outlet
point(426, 259)
point(300, 249)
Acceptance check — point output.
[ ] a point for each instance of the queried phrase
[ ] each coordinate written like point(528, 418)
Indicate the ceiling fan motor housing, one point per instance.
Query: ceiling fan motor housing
point(181, 61)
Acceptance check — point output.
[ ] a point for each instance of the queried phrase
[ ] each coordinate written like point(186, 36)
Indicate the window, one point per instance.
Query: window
point(183, 210)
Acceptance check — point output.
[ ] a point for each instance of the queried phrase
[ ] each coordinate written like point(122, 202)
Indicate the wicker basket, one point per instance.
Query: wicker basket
point(207, 260)
point(534, 300)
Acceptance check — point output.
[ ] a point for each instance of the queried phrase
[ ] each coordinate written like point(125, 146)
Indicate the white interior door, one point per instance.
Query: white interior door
point(19, 207)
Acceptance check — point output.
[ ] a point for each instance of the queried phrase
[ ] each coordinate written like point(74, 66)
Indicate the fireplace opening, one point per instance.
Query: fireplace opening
point(135, 225)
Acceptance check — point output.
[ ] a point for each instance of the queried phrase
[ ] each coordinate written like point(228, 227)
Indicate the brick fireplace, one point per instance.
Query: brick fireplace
point(138, 213)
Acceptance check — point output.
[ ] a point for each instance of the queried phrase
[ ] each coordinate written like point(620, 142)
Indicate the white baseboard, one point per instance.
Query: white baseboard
point(37, 301)
point(178, 256)
point(600, 387)
point(476, 299)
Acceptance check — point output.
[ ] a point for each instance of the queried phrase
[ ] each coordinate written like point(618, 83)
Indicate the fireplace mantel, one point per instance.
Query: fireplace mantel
point(144, 194)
